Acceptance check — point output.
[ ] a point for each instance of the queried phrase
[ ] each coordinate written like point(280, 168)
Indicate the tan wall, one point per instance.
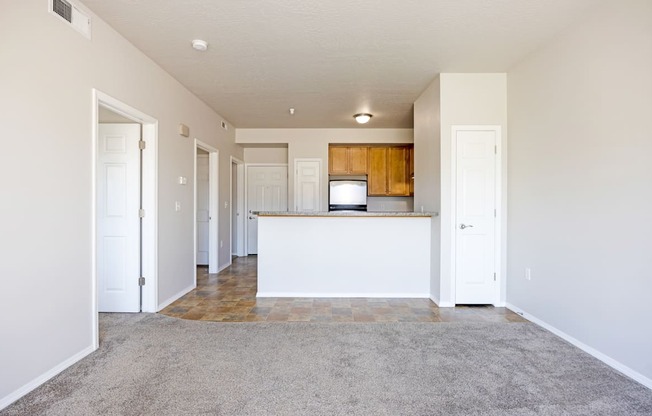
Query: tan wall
point(427, 170)
point(273, 155)
point(580, 185)
point(46, 79)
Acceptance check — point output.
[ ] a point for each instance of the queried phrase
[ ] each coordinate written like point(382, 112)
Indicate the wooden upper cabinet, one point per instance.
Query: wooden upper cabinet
point(347, 160)
point(358, 160)
point(397, 171)
point(337, 160)
point(377, 174)
point(389, 171)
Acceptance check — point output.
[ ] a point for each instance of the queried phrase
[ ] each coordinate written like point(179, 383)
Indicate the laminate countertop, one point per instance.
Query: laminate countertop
point(392, 214)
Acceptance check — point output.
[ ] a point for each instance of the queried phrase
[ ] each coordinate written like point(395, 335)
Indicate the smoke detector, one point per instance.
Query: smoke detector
point(199, 45)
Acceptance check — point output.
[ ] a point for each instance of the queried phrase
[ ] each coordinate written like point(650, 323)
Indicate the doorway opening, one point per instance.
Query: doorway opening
point(237, 208)
point(267, 190)
point(205, 210)
point(124, 209)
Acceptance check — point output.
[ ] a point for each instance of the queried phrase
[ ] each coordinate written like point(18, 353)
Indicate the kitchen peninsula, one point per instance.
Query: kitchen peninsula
point(344, 254)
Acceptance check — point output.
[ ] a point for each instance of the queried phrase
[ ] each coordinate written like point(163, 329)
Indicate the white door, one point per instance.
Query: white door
point(267, 190)
point(307, 188)
point(203, 205)
point(118, 220)
point(475, 204)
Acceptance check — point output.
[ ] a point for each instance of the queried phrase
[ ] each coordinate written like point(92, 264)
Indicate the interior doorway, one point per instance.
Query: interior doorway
point(205, 210)
point(267, 190)
point(476, 228)
point(124, 262)
point(203, 207)
point(237, 208)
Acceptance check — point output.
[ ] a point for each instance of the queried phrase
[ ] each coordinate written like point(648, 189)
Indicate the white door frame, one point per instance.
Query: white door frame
point(213, 190)
point(239, 206)
point(296, 183)
point(150, 180)
point(499, 237)
point(246, 191)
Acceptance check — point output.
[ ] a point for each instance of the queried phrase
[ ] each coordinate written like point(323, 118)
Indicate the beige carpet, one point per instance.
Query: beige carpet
point(155, 365)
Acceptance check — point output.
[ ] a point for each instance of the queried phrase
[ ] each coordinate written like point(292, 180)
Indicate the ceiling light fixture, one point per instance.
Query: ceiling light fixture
point(291, 111)
point(362, 118)
point(199, 45)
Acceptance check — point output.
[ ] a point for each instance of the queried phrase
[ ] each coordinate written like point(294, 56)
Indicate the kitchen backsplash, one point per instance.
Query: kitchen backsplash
point(390, 203)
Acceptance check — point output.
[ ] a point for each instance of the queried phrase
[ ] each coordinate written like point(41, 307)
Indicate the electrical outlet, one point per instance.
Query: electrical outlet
point(177, 206)
point(221, 243)
point(528, 274)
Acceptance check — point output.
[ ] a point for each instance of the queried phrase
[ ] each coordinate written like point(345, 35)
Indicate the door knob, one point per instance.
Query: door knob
point(463, 226)
point(251, 218)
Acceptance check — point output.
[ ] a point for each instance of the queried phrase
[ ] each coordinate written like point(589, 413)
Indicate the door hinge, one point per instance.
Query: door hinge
point(496, 149)
point(141, 213)
point(494, 212)
point(141, 144)
point(141, 281)
point(494, 277)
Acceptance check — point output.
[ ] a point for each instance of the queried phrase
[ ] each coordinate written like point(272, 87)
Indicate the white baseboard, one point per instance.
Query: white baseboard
point(219, 269)
point(617, 365)
point(175, 297)
point(12, 397)
point(340, 295)
point(441, 304)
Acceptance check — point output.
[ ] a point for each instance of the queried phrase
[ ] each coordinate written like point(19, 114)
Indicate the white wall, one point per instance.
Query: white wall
point(313, 143)
point(466, 99)
point(273, 155)
point(427, 171)
point(580, 189)
point(46, 79)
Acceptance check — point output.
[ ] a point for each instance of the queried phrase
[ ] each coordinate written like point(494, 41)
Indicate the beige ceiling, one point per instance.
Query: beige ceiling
point(331, 58)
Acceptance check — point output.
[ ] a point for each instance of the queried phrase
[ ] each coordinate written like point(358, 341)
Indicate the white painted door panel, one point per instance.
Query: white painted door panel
point(475, 217)
point(118, 221)
point(307, 191)
point(267, 190)
point(203, 205)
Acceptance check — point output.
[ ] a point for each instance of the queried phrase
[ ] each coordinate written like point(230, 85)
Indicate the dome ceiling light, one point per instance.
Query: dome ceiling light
point(362, 118)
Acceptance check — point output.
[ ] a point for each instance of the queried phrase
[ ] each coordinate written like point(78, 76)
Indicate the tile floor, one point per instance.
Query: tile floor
point(230, 296)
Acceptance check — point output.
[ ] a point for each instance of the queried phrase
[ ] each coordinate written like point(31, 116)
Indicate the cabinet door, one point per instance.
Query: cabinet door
point(337, 161)
point(397, 172)
point(411, 171)
point(358, 160)
point(377, 174)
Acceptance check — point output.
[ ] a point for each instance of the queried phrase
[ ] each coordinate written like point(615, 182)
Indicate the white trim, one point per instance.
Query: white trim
point(296, 183)
point(239, 206)
point(174, 297)
point(499, 286)
point(213, 206)
point(225, 266)
point(150, 202)
point(246, 198)
point(616, 365)
point(25, 389)
point(340, 295)
point(442, 304)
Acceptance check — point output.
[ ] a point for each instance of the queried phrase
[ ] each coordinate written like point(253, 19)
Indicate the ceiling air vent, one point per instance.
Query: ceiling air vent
point(73, 16)
point(63, 9)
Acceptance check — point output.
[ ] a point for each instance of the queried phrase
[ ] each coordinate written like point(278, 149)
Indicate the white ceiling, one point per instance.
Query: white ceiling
point(330, 59)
